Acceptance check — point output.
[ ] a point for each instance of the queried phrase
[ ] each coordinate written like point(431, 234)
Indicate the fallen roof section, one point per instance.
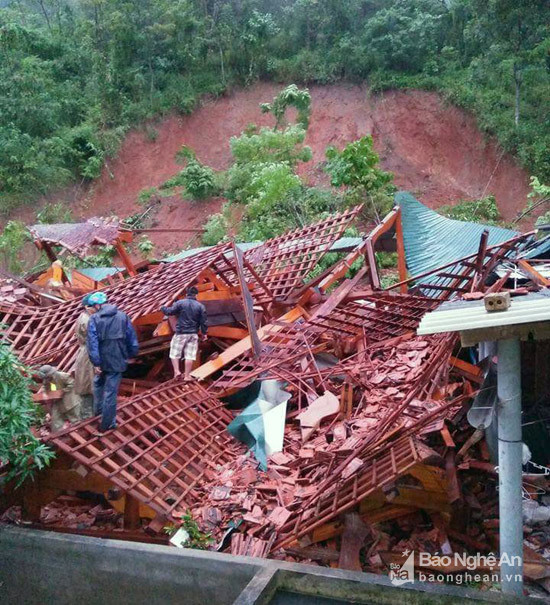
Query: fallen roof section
point(47, 335)
point(78, 238)
point(432, 240)
point(168, 441)
point(284, 262)
point(467, 274)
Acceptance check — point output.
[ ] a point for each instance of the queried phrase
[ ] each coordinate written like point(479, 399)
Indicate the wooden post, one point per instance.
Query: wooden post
point(125, 257)
point(401, 262)
point(131, 512)
point(370, 261)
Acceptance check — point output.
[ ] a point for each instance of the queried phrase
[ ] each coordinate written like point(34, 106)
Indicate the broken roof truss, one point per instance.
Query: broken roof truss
point(171, 450)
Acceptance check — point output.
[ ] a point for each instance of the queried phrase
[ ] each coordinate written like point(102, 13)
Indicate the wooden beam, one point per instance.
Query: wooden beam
point(149, 320)
point(470, 371)
point(371, 264)
point(159, 230)
point(533, 273)
point(227, 332)
point(401, 257)
point(48, 250)
point(387, 513)
point(389, 221)
point(480, 259)
point(125, 257)
point(338, 295)
point(216, 295)
point(353, 538)
point(244, 345)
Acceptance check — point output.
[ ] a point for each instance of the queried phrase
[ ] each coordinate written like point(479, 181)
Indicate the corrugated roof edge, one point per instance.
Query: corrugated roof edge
point(341, 245)
point(432, 240)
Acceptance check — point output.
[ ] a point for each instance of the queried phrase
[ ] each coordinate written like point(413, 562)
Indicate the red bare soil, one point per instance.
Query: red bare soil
point(435, 151)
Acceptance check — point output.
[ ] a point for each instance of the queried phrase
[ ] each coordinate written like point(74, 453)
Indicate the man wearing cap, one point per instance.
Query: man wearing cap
point(191, 316)
point(66, 408)
point(83, 368)
point(111, 342)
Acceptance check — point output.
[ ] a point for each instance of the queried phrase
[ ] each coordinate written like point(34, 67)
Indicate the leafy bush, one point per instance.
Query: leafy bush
point(386, 260)
point(538, 198)
point(146, 195)
point(146, 247)
point(103, 258)
point(484, 210)
point(197, 539)
point(291, 96)
point(19, 448)
point(356, 167)
point(12, 239)
point(54, 213)
point(178, 180)
point(214, 230)
point(198, 180)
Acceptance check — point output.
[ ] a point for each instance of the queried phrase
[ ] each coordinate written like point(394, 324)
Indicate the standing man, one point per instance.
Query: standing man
point(191, 316)
point(111, 341)
point(83, 368)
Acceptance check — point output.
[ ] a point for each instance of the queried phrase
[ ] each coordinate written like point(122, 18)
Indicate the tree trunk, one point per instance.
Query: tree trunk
point(517, 82)
point(45, 13)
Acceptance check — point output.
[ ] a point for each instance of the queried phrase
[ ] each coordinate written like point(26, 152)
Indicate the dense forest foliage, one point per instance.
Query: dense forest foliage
point(76, 74)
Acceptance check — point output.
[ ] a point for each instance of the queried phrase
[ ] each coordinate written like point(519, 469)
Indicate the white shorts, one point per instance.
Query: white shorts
point(185, 345)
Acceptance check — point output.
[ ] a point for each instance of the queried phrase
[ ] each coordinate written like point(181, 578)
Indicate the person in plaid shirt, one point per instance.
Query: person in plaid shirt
point(191, 319)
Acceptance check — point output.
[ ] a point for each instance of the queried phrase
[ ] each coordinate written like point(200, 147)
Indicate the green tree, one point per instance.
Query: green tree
point(404, 36)
point(291, 96)
point(512, 35)
point(356, 167)
point(20, 451)
point(198, 180)
point(12, 240)
point(538, 197)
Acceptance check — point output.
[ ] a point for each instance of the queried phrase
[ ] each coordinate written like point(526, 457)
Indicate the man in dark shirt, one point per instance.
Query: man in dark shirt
point(111, 342)
point(191, 316)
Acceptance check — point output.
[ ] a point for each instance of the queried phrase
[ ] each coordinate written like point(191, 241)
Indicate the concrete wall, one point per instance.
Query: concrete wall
point(43, 568)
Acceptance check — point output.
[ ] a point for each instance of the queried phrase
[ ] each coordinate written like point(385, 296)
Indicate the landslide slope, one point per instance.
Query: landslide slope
point(435, 150)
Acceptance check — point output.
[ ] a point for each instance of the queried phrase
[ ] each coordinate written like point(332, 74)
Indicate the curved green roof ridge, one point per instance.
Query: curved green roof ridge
point(432, 240)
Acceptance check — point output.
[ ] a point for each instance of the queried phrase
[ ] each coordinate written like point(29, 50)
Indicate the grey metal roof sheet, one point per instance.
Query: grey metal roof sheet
point(538, 249)
point(459, 316)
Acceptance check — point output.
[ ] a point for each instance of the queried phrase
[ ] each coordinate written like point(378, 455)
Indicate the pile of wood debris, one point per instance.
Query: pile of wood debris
point(377, 456)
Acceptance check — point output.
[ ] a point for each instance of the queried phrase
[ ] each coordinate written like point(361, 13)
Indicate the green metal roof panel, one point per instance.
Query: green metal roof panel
point(192, 251)
point(174, 258)
point(341, 245)
point(432, 240)
point(99, 273)
point(346, 243)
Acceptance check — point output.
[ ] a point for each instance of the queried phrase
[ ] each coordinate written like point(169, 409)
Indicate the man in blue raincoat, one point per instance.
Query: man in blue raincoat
point(111, 342)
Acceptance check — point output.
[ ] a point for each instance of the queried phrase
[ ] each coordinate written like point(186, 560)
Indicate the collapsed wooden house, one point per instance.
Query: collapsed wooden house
point(375, 429)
